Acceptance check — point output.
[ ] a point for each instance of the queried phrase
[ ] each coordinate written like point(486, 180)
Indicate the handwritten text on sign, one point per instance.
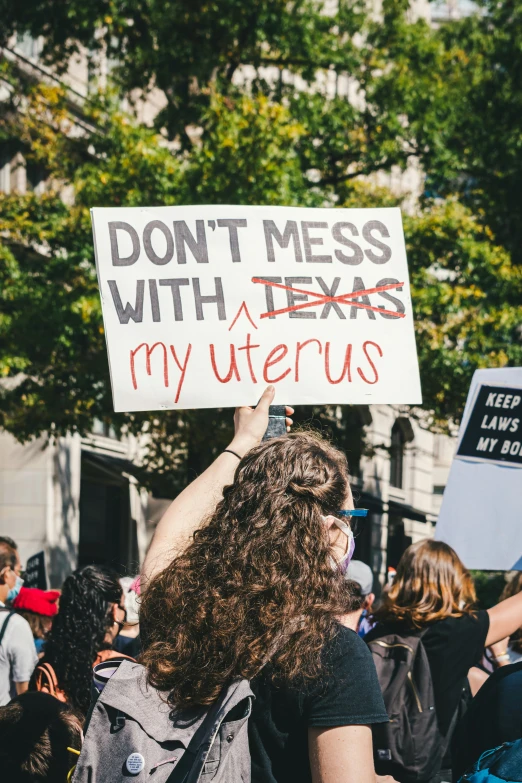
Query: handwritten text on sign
point(205, 305)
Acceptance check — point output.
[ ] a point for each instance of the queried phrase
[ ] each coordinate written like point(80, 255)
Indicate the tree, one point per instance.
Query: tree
point(457, 91)
point(53, 345)
point(264, 140)
point(467, 299)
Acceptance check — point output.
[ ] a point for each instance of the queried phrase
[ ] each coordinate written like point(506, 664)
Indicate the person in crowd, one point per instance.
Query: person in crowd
point(40, 740)
point(17, 652)
point(433, 592)
point(244, 578)
point(38, 607)
point(493, 717)
point(128, 640)
point(360, 579)
point(13, 592)
point(90, 616)
point(508, 650)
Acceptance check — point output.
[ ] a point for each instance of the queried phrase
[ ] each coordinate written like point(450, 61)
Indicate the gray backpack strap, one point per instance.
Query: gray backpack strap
point(4, 626)
point(187, 764)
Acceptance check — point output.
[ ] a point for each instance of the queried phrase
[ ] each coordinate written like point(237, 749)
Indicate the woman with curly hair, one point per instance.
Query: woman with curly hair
point(433, 595)
point(90, 617)
point(245, 579)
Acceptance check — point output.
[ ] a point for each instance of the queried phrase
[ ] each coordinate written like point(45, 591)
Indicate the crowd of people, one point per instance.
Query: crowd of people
point(252, 645)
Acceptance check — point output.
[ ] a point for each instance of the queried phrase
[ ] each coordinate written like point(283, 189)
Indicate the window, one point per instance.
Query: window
point(105, 429)
point(396, 457)
point(29, 46)
point(438, 489)
point(401, 434)
point(398, 541)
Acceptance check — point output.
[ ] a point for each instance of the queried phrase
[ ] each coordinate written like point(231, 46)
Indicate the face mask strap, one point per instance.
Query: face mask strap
point(344, 526)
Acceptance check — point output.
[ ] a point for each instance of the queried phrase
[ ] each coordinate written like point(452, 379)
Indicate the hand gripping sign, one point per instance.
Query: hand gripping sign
point(205, 305)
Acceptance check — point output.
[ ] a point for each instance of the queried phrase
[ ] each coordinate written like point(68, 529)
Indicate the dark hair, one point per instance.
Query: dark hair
point(9, 541)
point(354, 597)
point(431, 584)
point(7, 555)
point(256, 583)
point(79, 629)
point(36, 731)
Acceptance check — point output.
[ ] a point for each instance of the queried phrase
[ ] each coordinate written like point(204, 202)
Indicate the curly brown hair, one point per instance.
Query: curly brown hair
point(256, 583)
point(431, 584)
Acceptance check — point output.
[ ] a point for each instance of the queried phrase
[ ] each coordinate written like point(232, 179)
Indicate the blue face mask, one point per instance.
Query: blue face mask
point(13, 592)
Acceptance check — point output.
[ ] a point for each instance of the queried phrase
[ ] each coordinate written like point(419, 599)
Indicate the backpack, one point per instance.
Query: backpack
point(410, 747)
point(46, 681)
point(500, 765)
point(4, 626)
point(133, 732)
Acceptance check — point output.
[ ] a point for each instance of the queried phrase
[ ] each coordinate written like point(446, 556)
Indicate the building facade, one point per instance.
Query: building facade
point(78, 501)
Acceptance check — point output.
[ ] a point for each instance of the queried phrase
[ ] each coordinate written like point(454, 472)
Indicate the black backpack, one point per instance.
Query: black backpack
point(410, 747)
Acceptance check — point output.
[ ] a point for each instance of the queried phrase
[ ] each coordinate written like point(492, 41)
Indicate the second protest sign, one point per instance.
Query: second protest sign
point(205, 305)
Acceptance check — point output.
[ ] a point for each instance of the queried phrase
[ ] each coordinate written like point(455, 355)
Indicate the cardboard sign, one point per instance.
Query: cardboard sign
point(205, 305)
point(35, 572)
point(481, 514)
point(494, 430)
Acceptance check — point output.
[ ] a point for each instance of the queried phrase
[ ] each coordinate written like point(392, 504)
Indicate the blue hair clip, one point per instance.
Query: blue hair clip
point(354, 512)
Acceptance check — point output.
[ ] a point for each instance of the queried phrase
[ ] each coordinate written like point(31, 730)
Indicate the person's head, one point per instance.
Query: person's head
point(38, 607)
point(10, 542)
point(258, 582)
point(513, 587)
point(8, 575)
point(359, 596)
point(362, 575)
point(38, 739)
point(90, 616)
point(431, 584)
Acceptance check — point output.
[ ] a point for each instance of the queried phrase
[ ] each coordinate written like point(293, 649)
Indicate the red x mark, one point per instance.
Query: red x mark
point(324, 298)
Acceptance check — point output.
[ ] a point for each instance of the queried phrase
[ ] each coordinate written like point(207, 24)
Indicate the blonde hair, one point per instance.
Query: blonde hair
point(431, 584)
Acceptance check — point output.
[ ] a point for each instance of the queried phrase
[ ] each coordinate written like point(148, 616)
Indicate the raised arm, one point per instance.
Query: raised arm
point(504, 619)
point(186, 513)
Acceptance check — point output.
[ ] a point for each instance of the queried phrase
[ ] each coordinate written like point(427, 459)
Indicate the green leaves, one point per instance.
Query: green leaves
point(267, 102)
point(467, 299)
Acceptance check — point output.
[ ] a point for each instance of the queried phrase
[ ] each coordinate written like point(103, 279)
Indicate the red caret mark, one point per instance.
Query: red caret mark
point(324, 298)
point(242, 309)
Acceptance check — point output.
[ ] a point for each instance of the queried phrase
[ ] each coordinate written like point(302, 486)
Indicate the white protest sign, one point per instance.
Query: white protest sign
point(481, 514)
point(205, 305)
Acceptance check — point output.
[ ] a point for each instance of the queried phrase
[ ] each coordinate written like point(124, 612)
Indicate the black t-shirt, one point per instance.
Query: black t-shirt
point(453, 646)
point(493, 717)
point(347, 693)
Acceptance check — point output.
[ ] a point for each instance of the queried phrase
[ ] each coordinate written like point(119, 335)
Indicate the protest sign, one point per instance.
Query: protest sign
point(481, 514)
point(204, 306)
point(35, 572)
point(494, 432)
